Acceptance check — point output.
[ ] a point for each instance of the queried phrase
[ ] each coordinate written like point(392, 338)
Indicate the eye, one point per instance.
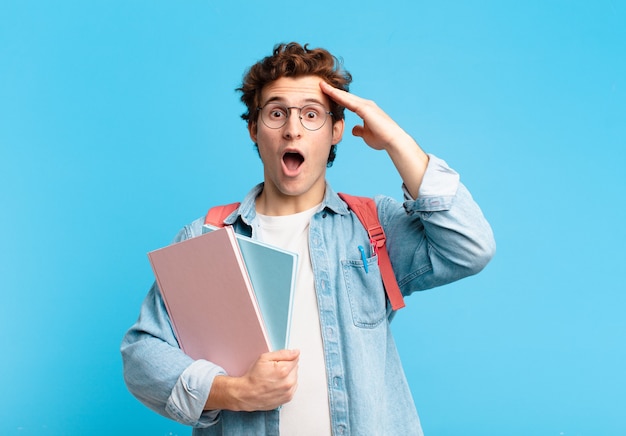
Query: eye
point(311, 112)
point(276, 112)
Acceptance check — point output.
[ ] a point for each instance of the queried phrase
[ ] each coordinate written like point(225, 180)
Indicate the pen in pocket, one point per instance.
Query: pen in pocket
point(364, 257)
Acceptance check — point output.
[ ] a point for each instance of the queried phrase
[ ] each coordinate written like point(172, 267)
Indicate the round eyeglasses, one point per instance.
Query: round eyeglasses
point(312, 116)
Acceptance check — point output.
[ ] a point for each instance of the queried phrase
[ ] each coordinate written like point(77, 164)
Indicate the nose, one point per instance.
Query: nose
point(293, 127)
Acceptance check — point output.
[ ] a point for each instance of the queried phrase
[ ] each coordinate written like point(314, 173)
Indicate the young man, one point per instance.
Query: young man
point(342, 374)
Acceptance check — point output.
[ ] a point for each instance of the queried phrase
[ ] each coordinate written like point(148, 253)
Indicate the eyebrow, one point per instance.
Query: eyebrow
point(282, 100)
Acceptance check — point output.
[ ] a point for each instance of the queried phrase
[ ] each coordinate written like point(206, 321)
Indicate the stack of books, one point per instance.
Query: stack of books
point(229, 297)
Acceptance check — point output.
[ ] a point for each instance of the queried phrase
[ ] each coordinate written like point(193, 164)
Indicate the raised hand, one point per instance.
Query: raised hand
point(378, 131)
point(381, 132)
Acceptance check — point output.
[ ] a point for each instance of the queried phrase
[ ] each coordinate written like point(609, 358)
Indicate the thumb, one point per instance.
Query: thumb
point(283, 355)
point(358, 131)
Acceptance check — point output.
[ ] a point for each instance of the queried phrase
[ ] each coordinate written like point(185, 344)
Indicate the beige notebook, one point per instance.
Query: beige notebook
point(210, 301)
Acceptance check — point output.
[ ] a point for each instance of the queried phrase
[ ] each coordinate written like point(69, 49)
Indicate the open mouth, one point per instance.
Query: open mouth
point(292, 160)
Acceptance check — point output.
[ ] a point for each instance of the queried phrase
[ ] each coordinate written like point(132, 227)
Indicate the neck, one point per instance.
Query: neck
point(275, 203)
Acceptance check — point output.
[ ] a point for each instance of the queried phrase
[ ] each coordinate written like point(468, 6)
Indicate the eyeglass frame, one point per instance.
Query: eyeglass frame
point(327, 113)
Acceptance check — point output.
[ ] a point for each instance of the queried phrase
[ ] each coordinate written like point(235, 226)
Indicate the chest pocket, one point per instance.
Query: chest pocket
point(365, 292)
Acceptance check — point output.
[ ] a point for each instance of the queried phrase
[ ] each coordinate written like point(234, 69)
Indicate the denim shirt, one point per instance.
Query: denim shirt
point(435, 239)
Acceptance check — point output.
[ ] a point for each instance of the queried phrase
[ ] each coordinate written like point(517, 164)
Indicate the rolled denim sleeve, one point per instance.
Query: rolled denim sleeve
point(190, 393)
point(438, 187)
point(439, 237)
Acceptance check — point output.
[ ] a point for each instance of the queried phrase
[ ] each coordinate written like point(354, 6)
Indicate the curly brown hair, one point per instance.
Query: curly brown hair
point(293, 60)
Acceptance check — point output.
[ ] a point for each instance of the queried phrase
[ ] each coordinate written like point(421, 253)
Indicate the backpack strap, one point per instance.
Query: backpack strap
point(217, 214)
point(365, 209)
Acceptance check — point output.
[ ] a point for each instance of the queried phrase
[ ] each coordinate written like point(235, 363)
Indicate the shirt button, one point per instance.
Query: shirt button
point(337, 382)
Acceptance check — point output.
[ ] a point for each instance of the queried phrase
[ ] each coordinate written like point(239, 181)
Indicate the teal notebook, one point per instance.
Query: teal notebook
point(272, 272)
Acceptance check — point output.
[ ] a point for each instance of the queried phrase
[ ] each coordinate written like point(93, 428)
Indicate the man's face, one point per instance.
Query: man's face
point(295, 158)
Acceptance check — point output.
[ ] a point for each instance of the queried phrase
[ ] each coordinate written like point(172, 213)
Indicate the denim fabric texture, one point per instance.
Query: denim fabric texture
point(436, 239)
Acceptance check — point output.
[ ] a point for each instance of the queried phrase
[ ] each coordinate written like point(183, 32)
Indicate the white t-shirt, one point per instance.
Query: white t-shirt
point(308, 413)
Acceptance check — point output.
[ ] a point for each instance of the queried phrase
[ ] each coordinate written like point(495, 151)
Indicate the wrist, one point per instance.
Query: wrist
point(223, 394)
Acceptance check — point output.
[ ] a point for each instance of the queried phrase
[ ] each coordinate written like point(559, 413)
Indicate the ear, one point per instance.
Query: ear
point(252, 128)
point(338, 127)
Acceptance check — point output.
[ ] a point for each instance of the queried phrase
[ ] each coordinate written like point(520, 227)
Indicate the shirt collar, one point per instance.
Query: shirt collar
point(247, 210)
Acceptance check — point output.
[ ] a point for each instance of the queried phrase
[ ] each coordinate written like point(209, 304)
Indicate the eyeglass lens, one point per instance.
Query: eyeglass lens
point(312, 116)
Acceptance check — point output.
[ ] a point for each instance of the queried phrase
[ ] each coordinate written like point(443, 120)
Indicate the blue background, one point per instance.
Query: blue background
point(119, 123)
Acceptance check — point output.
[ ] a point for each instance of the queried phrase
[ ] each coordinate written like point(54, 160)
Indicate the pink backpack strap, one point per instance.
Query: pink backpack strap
point(217, 214)
point(365, 209)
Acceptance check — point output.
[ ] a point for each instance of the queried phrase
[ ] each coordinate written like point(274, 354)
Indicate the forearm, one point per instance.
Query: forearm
point(410, 161)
